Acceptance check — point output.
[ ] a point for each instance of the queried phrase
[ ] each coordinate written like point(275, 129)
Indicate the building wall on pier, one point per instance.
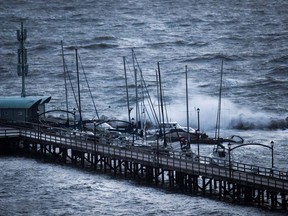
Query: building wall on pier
point(22, 108)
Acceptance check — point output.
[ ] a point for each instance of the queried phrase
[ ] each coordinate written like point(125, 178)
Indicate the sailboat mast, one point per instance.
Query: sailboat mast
point(158, 99)
point(142, 115)
point(161, 101)
point(127, 93)
point(65, 82)
point(78, 83)
point(136, 89)
point(187, 106)
point(86, 79)
point(217, 131)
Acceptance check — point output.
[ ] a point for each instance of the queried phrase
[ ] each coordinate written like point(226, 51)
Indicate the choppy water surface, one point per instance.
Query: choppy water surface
point(32, 188)
point(250, 36)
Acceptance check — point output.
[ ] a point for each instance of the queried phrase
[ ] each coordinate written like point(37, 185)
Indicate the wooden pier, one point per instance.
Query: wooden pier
point(239, 183)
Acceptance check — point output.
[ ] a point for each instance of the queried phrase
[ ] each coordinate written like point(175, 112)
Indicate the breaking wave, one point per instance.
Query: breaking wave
point(252, 124)
point(93, 46)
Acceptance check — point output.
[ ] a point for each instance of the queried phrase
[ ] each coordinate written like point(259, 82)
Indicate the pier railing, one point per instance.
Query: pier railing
point(115, 148)
point(9, 132)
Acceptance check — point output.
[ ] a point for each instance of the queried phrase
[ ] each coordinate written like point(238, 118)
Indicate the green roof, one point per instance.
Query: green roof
point(22, 102)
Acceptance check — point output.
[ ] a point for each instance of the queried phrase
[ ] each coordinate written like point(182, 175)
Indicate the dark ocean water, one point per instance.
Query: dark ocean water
point(249, 36)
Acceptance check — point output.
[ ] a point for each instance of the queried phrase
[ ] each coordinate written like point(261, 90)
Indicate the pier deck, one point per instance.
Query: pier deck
point(230, 181)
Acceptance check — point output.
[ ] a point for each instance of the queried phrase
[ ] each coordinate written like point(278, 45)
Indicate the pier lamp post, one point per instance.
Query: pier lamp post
point(74, 118)
point(229, 152)
point(272, 150)
point(198, 131)
point(133, 131)
point(38, 123)
point(94, 127)
point(94, 133)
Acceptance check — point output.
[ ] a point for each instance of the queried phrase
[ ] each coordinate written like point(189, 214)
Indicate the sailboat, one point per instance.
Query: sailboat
point(220, 155)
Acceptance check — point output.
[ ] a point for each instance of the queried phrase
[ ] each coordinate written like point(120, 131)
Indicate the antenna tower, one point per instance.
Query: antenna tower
point(22, 67)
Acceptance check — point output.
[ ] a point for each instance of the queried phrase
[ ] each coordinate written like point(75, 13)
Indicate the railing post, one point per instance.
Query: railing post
point(229, 152)
point(272, 150)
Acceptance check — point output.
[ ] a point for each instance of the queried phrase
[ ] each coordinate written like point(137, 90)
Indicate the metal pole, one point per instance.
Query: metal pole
point(74, 118)
point(187, 107)
point(133, 131)
point(94, 131)
point(127, 93)
point(229, 152)
point(272, 150)
point(79, 96)
point(22, 57)
point(136, 91)
point(157, 153)
point(38, 124)
point(65, 84)
point(198, 130)
point(161, 100)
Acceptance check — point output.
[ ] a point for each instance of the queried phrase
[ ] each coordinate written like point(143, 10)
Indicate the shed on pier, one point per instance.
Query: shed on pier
point(15, 108)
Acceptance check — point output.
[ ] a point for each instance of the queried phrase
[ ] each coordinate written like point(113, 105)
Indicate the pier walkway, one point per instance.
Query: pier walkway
point(236, 182)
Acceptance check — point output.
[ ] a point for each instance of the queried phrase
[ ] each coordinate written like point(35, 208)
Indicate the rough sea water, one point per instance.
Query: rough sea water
point(249, 36)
